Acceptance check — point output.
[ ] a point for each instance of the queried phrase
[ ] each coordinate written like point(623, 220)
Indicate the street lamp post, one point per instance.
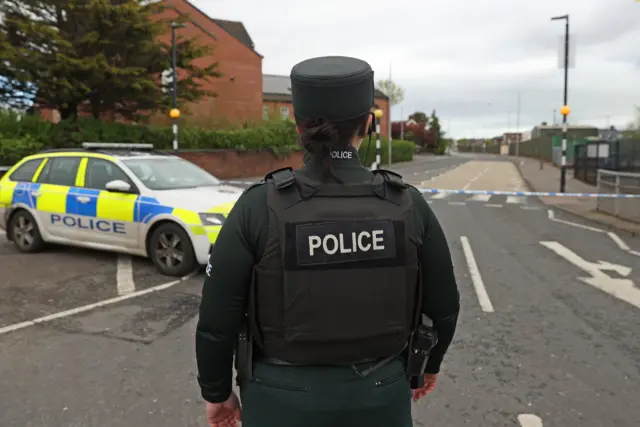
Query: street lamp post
point(175, 113)
point(565, 109)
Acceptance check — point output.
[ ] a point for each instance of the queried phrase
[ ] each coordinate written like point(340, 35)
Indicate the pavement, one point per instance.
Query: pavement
point(548, 179)
point(549, 331)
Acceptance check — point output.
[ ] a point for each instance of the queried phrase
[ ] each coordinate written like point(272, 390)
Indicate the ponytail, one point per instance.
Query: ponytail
point(320, 137)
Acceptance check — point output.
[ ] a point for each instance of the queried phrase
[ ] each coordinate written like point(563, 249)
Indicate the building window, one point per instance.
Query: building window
point(265, 112)
point(284, 113)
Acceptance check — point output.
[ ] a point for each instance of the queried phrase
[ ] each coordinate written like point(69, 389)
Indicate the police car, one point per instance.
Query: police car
point(118, 197)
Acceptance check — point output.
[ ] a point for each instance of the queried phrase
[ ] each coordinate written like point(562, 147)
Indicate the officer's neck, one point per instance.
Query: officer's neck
point(342, 158)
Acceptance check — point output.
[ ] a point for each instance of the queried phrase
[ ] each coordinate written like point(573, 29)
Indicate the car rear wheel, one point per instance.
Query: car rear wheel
point(25, 233)
point(171, 250)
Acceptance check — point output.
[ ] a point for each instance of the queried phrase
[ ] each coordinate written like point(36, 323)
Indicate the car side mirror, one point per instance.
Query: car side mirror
point(118, 186)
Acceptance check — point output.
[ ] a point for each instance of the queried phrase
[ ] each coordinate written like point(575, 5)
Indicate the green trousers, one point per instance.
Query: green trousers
point(296, 396)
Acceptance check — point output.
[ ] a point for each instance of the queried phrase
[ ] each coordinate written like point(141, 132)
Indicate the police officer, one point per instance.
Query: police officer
point(319, 277)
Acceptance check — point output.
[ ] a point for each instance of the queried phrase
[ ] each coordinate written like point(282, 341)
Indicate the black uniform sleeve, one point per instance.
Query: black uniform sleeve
point(441, 299)
point(224, 294)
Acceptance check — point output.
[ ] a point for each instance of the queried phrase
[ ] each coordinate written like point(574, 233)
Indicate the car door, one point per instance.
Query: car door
point(55, 180)
point(112, 213)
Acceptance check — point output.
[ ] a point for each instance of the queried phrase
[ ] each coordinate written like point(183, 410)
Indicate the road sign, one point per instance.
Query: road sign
point(623, 289)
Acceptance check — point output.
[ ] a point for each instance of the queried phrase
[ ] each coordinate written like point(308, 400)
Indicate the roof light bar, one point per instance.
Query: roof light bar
point(116, 145)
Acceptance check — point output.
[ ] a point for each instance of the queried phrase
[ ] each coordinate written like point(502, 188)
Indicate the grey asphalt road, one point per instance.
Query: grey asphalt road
point(556, 348)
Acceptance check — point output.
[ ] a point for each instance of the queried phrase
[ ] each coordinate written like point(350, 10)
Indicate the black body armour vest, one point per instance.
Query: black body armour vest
point(338, 279)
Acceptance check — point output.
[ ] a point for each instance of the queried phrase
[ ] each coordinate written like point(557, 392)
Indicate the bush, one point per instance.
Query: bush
point(22, 136)
point(401, 151)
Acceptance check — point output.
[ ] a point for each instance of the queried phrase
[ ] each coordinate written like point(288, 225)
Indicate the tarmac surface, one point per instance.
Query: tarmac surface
point(549, 332)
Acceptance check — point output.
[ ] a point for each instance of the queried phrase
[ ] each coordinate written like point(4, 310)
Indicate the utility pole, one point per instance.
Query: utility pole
point(518, 134)
point(565, 107)
point(390, 105)
point(175, 113)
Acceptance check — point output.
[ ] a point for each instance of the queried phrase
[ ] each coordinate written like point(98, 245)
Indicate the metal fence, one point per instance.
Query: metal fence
point(621, 156)
point(613, 182)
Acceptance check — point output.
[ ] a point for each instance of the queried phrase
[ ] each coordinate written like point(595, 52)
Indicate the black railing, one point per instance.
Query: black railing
point(621, 156)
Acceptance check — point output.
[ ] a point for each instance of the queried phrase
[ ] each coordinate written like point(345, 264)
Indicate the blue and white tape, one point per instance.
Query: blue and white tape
point(501, 193)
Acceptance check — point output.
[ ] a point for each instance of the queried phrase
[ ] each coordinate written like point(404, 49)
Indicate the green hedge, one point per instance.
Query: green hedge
point(401, 151)
point(20, 137)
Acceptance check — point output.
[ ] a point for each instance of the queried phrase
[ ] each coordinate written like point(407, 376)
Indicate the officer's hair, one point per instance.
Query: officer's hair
point(320, 137)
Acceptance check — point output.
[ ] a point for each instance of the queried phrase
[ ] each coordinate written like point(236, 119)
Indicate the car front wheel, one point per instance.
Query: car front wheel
point(171, 250)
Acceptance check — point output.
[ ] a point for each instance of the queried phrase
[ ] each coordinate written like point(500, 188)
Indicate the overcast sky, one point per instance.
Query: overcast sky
point(468, 59)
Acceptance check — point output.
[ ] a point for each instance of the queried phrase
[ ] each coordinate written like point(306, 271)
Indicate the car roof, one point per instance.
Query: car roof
point(118, 153)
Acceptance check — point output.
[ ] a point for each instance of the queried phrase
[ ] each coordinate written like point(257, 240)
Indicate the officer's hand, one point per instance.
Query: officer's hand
point(428, 387)
point(225, 414)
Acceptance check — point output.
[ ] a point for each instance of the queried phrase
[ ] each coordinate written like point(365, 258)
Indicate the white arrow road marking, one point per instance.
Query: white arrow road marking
point(124, 275)
point(529, 420)
point(476, 278)
point(623, 289)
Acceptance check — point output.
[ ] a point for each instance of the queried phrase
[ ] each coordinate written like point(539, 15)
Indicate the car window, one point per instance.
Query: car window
point(100, 172)
point(26, 171)
point(60, 171)
point(169, 173)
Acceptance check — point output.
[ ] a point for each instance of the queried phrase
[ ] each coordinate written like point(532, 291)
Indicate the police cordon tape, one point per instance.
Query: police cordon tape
point(498, 193)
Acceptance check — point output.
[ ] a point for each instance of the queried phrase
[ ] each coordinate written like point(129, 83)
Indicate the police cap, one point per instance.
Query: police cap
point(338, 88)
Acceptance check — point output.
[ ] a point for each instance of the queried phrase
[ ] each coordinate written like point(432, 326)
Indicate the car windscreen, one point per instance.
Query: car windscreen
point(169, 173)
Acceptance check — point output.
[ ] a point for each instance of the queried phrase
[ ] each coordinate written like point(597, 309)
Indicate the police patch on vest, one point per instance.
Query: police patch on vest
point(348, 243)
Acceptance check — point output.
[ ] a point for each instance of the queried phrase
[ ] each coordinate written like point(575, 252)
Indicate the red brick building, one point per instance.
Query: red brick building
point(239, 89)
point(276, 100)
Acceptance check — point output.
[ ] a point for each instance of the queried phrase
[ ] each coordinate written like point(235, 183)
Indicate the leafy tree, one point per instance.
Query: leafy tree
point(419, 117)
point(104, 53)
point(393, 91)
point(437, 135)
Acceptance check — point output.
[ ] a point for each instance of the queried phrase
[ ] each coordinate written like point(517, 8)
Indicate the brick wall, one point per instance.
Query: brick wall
point(240, 88)
point(230, 164)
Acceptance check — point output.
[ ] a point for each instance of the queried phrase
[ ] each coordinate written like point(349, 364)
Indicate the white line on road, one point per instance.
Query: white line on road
point(458, 203)
point(552, 217)
point(481, 197)
point(124, 275)
point(475, 178)
point(439, 196)
point(515, 200)
point(78, 310)
point(529, 420)
point(493, 205)
point(618, 241)
point(476, 278)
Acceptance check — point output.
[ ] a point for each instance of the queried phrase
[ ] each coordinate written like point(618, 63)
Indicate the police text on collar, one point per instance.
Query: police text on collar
point(342, 155)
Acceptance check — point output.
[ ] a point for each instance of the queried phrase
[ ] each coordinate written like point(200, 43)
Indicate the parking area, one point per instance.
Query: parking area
point(62, 280)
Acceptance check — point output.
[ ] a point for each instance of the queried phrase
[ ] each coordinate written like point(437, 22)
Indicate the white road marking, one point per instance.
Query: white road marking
point(529, 420)
point(476, 278)
point(515, 200)
point(619, 241)
point(475, 178)
point(623, 289)
point(439, 196)
point(621, 244)
point(572, 224)
point(531, 208)
point(493, 205)
point(124, 275)
point(458, 203)
point(84, 308)
point(481, 197)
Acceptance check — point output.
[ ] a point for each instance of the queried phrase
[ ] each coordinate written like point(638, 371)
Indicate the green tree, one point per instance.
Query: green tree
point(393, 91)
point(440, 142)
point(104, 53)
point(419, 117)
